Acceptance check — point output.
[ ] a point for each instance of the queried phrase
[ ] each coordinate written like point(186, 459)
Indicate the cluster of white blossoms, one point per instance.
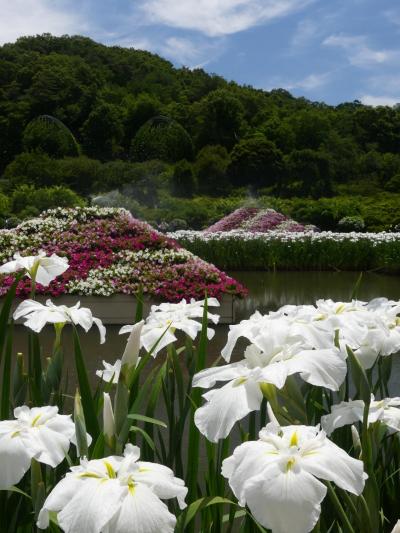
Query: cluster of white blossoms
point(162, 257)
point(84, 213)
point(101, 281)
point(309, 340)
point(283, 236)
point(96, 283)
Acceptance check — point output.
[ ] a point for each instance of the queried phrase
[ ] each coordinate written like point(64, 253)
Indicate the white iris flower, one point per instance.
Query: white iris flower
point(39, 433)
point(386, 411)
point(277, 476)
point(110, 373)
point(115, 495)
point(40, 268)
point(38, 315)
point(159, 327)
point(277, 355)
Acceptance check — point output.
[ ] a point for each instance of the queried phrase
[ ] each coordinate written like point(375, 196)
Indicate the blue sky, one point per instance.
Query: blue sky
point(325, 50)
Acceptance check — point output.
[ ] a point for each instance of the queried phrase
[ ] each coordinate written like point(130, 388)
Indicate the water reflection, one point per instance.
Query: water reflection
point(270, 290)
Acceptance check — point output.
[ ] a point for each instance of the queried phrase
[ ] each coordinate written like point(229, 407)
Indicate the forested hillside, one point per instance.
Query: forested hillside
point(79, 119)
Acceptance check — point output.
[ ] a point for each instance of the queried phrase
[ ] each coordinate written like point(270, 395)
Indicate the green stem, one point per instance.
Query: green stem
point(339, 508)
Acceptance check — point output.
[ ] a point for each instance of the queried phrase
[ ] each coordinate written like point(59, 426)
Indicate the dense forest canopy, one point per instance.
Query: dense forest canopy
point(88, 119)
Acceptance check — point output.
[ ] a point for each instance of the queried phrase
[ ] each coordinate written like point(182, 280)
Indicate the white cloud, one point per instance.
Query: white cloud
point(311, 82)
point(392, 16)
point(375, 101)
point(218, 17)
point(31, 17)
point(305, 32)
point(308, 83)
point(186, 52)
point(359, 53)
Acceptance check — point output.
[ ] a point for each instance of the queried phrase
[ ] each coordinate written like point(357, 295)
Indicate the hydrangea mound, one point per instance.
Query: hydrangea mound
point(110, 252)
point(255, 220)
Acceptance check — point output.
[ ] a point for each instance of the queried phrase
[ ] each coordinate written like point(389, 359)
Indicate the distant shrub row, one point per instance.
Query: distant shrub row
point(239, 250)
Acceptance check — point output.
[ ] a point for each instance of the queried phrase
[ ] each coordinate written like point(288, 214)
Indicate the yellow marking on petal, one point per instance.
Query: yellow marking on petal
point(143, 469)
point(91, 475)
point(15, 434)
point(294, 440)
point(290, 464)
point(110, 470)
point(312, 452)
point(239, 381)
point(340, 309)
point(131, 488)
point(35, 420)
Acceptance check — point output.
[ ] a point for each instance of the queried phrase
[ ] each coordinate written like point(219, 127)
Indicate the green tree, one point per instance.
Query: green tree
point(138, 111)
point(308, 174)
point(257, 162)
point(162, 138)
point(211, 170)
point(183, 180)
point(103, 132)
point(220, 118)
point(310, 127)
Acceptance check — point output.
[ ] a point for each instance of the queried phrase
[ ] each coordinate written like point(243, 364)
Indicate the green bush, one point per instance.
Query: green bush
point(28, 201)
point(32, 168)
point(4, 205)
point(351, 224)
point(39, 170)
point(393, 185)
point(49, 135)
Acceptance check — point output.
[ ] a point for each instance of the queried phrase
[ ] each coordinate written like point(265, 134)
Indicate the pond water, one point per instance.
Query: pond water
point(270, 290)
point(267, 291)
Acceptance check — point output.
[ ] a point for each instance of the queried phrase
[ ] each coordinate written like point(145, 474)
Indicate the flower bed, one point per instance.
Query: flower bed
point(253, 219)
point(110, 252)
point(284, 250)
